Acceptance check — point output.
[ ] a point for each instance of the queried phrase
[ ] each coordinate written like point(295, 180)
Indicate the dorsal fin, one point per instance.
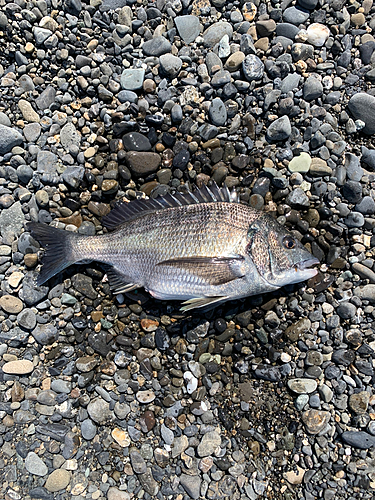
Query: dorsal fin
point(128, 211)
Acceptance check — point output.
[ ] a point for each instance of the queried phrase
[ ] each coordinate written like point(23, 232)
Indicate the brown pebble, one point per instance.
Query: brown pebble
point(74, 219)
point(30, 259)
point(10, 304)
point(149, 85)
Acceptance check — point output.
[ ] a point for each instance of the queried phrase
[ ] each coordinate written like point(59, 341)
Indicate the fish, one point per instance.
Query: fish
point(203, 247)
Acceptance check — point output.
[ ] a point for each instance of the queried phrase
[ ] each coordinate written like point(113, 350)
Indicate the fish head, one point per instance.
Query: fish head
point(279, 257)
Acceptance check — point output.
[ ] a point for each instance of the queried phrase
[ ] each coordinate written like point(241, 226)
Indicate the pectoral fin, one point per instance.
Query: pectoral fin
point(201, 302)
point(118, 282)
point(213, 271)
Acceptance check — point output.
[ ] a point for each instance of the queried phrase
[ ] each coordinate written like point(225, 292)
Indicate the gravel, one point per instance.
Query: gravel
point(124, 397)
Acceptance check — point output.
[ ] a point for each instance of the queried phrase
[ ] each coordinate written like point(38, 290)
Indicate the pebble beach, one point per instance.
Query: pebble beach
point(125, 397)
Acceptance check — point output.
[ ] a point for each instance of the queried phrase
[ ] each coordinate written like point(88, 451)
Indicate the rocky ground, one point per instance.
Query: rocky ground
point(120, 398)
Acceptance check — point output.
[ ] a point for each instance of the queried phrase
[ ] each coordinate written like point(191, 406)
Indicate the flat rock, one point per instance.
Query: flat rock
point(191, 484)
point(132, 79)
point(18, 367)
point(358, 439)
point(188, 27)
point(116, 494)
point(252, 67)
point(35, 465)
point(366, 292)
point(300, 163)
point(217, 112)
point(46, 98)
point(69, 136)
point(141, 163)
point(99, 411)
point(9, 138)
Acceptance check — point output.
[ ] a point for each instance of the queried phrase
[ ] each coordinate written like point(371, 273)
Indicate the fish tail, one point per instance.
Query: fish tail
point(59, 249)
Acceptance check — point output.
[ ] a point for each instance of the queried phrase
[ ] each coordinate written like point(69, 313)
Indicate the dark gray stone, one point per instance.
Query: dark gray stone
point(9, 138)
point(156, 46)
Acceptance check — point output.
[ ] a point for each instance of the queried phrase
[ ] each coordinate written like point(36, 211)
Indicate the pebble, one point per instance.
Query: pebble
point(358, 439)
point(11, 304)
point(35, 465)
point(58, 480)
point(210, 441)
point(362, 107)
point(317, 34)
point(9, 138)
point(253, 67)
point(300, 163)
point(170, 65)
point(18, 367)
point(156, 47)
point(217, 112)
point(213, 34)
point(280, 129)
point(315, 420)
point(132, 79)
point(188, 27)
point(302, 385)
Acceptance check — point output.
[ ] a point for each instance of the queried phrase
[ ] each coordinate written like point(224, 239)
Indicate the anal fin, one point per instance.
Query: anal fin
point(198, 302)
point(119, 282)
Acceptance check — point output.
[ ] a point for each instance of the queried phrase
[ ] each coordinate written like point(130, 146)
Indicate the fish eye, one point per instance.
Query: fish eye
point(289, 242)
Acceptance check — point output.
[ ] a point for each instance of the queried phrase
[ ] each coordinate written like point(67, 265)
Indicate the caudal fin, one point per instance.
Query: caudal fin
point(58, 249)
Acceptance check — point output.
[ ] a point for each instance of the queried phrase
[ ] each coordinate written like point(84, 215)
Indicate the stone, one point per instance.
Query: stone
point(363, 271)
point(210, 441)
point(28, 113)
point(116, 494)
point(121, 437)
point(73, 175)
point(69, 136)
point(215, 33)
point(366, 206)
point(358, 439)
point(47, 163)
point(252, 67)
point(234, 61)
point(58, 480)
point(11, 304)
point(134, 141)
point(359, 402)
point(46, 98)
point(138, 462)
point(295, 477)
point(45, 334)
point(315, 420)
point(217, 112)
point(191, 484)
point(132, 79)
point(280, 129)
point(302, 385)
point(294, 15)
point(31, 132)
point(188, 27)
point(312, 89)
point(145, 397)
point(170, 65)
point(366, 292)
point(300, 163)
point(362, 107)
point(18, 367)
point(9, 138)
point(88, 429)
point(142, 164)
point(156, 46)
point(317, 34)
point(352, 191)
point(99, 411)
point(35, 465)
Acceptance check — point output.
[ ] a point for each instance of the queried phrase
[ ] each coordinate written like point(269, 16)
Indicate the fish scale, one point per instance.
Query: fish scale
point(203, 247)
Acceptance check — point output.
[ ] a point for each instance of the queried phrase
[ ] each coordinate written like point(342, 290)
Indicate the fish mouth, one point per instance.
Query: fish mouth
point(307, 264)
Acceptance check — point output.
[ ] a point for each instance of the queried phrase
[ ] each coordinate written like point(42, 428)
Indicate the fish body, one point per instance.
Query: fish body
point(202, 247)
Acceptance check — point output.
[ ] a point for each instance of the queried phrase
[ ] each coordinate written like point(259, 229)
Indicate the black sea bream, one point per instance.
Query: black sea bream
point(202, 247)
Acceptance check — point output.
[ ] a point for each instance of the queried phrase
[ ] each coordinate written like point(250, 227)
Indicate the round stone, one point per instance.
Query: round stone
point(317, 34)
point(315, 420)
point(145, 396)
point(11, 304)
point(58, 480)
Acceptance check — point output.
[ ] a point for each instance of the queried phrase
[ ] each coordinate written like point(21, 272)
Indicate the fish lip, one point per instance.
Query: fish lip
point(308, 263)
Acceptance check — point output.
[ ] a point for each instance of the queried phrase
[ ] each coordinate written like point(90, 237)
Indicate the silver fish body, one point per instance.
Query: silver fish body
point(203, 248)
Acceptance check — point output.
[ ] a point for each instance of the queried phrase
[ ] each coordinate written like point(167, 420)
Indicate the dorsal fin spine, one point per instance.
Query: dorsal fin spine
point(128, 211)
